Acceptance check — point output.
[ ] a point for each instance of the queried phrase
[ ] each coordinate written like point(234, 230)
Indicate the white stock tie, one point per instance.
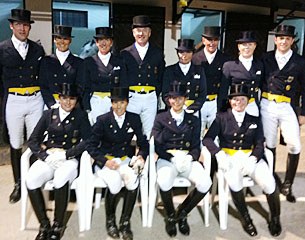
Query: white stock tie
point(22, 49)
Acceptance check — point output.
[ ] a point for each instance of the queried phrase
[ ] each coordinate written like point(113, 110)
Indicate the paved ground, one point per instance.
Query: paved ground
point(293, 215)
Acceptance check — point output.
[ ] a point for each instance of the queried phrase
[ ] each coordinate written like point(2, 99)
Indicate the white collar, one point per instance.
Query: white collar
point(140, 48)
point(116, 117)
point(60, 54)
point(16, 41)
point(242, 59)
point(62, 113)
point(209, 55)
point(239, 116)
point(287, 55)
point(104, 57)
point(177, 115)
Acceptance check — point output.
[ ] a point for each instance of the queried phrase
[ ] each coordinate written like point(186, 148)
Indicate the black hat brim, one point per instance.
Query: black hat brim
point(18, 20)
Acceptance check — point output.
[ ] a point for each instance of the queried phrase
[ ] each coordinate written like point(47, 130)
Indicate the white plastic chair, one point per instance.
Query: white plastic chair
point(179, 182)
point(95, 182)
point(78, 185)
point(223, 191)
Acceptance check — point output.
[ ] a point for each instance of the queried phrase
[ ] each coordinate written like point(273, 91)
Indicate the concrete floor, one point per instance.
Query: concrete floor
point(292, 217)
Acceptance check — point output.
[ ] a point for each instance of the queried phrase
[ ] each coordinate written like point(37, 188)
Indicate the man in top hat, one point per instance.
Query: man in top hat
point(143, 65)
point(177, 144)
point(211, 60)
point(246, 70)
point(186, 73)
point(67, 128)
point(19, 65)
point(283, 85)
point(100, 73)
point(62, 66)
point(240, 152)
point(115, 159)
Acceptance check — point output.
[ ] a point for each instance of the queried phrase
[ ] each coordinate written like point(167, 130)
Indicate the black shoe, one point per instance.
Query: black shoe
point(125, 230)
point(275, 227)
point(170, 226)
point(16, 194)
point(184, 227)
point(112, 229)
point(248, 226)
point(286, 190)
point(44, 231)
point(56, 231)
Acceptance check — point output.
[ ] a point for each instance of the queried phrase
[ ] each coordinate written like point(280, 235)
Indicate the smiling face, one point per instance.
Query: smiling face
point(176, 103)
point(104, 45)
point(67, 103)
point(141, 35)
point(283, 43)
point(246, 49)
point(119, 106)
point(239, 103)
point(210, 44)
point(62, 43)
point(21, 30)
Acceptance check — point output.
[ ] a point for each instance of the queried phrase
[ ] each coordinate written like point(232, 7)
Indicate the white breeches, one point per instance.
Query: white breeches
point(252, 109)
point(208, 114)
point(146, 106)
point(22, 111)
point(261, 173)
point(167, 172)
point(40, 172)
point(99, 106)
point(114, 178)
point(280, 115)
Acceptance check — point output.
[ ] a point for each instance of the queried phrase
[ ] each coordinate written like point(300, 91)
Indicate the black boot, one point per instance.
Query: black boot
point(291, 169)
point(128, 205)
point(239, 201)
point(15, 161)
point(38, 204)
point(110, 207)
point(273, 200)
point(186, 207)
point(276, 177)
point(61, 198)
point(170, 221)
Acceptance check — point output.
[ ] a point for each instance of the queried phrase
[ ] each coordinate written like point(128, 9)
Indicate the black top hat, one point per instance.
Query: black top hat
point(246, 36)
point(211, 32)
point(119, 93)
point(20, 15)
point(141, 21)
point(185, 45)
point(176, 89)
point(238, 90)
point(285, 30)
point(103, 32)
point(69, 89)
point(62, 31)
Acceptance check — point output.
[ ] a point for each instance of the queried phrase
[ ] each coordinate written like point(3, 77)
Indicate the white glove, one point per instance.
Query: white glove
point(137, 164)
point(91, 118)
point(55, 105)
point(56, 159)
point(248, 165)
point(222, 161)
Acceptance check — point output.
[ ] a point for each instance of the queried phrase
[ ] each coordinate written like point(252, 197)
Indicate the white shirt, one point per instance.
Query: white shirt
point(104, 58)
point(185, 67)
point(21, 47)
point(63, 114)
point(119, 119)
point(210, 56)
point(282, 59)
point(177, 116)
point(62, 56)
point(247, 62)
point(239, 116)
point(142, 50)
